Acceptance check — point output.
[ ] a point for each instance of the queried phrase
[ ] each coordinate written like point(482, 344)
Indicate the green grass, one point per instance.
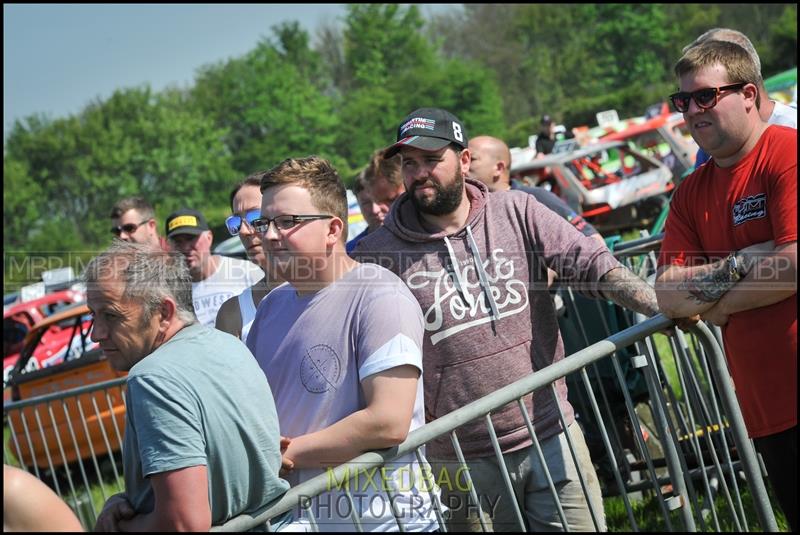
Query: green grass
point(649, 517)
point(667, 360)
point(8, 457)
point(81, 506)
point(670, 369)
point(647, 513)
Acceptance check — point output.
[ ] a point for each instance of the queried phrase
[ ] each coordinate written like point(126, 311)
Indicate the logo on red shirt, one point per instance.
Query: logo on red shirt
point(753, 207)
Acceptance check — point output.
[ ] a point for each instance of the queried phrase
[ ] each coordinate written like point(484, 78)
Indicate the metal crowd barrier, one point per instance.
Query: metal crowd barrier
point(71, 441)
point(690, 453)
point(677, 439)
point(700, 431)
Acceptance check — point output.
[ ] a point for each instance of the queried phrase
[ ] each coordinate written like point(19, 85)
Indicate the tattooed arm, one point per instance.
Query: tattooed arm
point(685, 291)
point(629, 291)
point(774, 280)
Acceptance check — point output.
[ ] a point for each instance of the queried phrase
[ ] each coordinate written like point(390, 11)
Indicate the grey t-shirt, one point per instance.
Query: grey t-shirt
point(201, 399)
point(316, 350)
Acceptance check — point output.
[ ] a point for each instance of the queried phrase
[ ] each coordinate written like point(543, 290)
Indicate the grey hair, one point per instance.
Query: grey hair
point(148, 276)
point(731, 36)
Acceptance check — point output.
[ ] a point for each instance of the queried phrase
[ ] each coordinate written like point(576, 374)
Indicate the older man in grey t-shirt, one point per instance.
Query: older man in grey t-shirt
point(201, 399)
point(201, 436)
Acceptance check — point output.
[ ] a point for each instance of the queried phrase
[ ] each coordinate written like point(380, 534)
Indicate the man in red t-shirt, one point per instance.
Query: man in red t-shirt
point(730, 247)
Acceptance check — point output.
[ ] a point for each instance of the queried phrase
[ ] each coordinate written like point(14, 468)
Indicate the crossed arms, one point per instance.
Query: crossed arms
point(707, 290)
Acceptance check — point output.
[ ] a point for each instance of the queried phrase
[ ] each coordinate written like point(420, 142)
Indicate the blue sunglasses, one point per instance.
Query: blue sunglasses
point(234, 222)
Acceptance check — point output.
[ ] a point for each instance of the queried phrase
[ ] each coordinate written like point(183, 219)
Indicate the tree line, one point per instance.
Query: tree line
point(341, 92)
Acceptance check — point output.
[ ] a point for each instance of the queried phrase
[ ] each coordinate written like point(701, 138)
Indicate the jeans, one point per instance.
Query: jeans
point(531, 490)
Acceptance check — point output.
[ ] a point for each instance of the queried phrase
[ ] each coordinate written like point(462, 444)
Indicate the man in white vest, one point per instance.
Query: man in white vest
point(214, 278)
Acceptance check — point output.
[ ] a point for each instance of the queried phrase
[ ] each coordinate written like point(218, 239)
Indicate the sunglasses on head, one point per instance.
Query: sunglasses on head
point(127, 228)
point(234, 222)
point(285, 222)
point(705, 98)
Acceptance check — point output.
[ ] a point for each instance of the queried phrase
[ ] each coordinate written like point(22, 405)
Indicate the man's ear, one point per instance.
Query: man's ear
point(750, 92)
point(499, 169)
point(335, 231)
point(465, 159)
point(168, 313)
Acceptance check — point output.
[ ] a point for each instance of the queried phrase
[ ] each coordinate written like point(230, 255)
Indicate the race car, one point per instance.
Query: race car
point(51, 434)
point(612, 185)
point(19, 320)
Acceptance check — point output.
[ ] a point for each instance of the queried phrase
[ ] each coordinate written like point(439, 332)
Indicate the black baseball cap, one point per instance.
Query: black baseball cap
point(546, 119)
point(185, 221)
point(429, 129)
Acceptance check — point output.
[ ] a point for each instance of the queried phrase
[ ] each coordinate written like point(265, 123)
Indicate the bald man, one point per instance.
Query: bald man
point(491, 163)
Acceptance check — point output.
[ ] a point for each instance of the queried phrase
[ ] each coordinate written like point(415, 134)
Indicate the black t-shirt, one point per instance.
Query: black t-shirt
point(554, 202)
point(544, 144)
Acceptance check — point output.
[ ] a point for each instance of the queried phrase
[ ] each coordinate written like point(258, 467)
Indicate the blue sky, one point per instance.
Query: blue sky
point(58, 58)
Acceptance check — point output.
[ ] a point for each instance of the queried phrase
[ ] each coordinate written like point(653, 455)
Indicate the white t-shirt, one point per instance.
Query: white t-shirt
point(231, 278)
point(783, 115)
point(315, 351)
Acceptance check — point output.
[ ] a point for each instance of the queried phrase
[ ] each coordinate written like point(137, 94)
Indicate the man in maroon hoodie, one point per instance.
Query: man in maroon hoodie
point(477, 264)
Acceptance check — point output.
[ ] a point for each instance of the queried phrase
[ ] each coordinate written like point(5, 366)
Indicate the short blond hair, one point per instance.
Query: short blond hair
point(731, 36)
point(319, 177)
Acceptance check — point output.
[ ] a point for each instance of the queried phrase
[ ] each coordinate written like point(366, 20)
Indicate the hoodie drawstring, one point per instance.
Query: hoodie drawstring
point(486, 289)
point(460, 286)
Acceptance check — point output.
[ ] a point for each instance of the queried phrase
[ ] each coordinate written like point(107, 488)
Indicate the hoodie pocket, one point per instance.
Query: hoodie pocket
point(461, 383)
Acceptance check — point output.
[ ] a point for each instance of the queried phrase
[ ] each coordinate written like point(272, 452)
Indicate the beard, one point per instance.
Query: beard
point(445, 201)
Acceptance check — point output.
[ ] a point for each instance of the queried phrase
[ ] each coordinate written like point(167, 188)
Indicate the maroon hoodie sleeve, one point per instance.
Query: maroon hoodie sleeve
point(579, 260)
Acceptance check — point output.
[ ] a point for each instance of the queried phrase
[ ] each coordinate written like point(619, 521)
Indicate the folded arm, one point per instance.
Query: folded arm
point(688, 290)
point(383, 423)
point(773, 279)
